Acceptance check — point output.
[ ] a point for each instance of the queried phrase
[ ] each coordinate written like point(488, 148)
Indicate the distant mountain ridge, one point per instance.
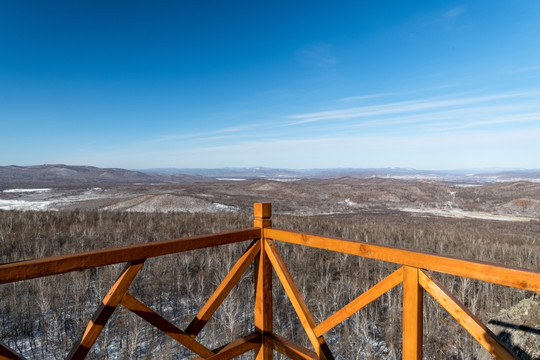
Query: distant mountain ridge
point(456, 175)
point(60, 174)
point(68, 174)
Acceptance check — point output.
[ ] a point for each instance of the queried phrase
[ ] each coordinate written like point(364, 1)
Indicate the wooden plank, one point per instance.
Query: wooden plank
point(503, 275)
point(289, 348)
point(263, 317)
point(412, 315)
point(223, 289)
point(465, 317)
point(236, 348)
point(300, 306)
point(105, 310)
point(66, 263)
point(262, 210)
point(138, 308)
point(7, 354)
point(370, 295)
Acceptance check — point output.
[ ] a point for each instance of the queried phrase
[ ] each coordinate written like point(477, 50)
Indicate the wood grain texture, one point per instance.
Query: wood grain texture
point(30, 269)
point(264, 318)
point(413, 304)
point(105, 310)
point(224, 288)
point(465, 317)
point(236, 348)
point(264, 321)
point(489, 272)
point(143, 311)
point(289, 348)
point(299, 305)
point(370, 295)
point(262, 210)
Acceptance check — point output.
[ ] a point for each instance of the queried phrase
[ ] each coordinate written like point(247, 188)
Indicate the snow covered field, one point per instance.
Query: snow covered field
point(97, 198)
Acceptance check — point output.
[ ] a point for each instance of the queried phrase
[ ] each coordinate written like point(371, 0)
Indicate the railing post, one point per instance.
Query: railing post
point(263, 284)
point(412, 315)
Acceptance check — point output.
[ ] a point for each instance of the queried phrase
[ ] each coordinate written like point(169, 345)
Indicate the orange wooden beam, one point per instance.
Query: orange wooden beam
point(143, 311)
point(412, 315)
point(206, 312)
point(236, 348)
point(465, 318)
point(289, 348)
point(30, 269)
point(105, 310)
point(263, 317)
point(370, 295)
point(504, 275)
point(300, 306)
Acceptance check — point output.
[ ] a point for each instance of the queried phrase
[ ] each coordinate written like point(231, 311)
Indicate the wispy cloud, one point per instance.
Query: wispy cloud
point(401, 107)
point(207, 134)
point(498, 120)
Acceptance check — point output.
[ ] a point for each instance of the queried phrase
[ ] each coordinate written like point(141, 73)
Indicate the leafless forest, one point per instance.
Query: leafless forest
point(42, 318)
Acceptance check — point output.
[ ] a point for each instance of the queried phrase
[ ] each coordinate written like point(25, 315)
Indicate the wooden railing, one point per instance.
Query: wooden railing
point(415, 274)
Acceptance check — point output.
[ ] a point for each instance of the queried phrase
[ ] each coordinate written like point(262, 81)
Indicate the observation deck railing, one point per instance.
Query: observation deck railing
point(415, 274)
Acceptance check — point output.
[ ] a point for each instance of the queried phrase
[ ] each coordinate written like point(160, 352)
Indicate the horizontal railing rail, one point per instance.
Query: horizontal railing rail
point(479, 270)
point(414, 273)
point(54, 265)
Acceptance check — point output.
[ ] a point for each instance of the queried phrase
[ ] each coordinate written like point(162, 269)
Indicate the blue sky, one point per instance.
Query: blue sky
point(288, 84)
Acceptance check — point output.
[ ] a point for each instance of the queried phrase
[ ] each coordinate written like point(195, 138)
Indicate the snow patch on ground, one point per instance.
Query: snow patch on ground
point(283, 179)
point(462, 214)
point(24, 205)
point(168, 203)
point(223, 207)
point(26, 190)
point(266, 187)
point(49, 199)
point(350, 202)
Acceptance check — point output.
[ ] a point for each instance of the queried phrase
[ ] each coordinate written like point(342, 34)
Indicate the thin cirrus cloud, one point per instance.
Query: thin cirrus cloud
point(404, 107)
point(459, 118)
point(506, 119)
point(426, 115)
point(227, 132)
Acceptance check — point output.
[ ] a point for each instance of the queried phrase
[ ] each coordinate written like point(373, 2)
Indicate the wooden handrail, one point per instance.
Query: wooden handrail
point(503, 275)
point(54, 265)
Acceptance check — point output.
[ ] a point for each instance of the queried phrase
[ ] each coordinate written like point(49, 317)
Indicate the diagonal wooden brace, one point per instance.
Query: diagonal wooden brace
point(105, 310)
point(465, 317)
point(364, 299)
point(223, 289)
point(300, 306)
point(236, 348)
point(139, 309)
